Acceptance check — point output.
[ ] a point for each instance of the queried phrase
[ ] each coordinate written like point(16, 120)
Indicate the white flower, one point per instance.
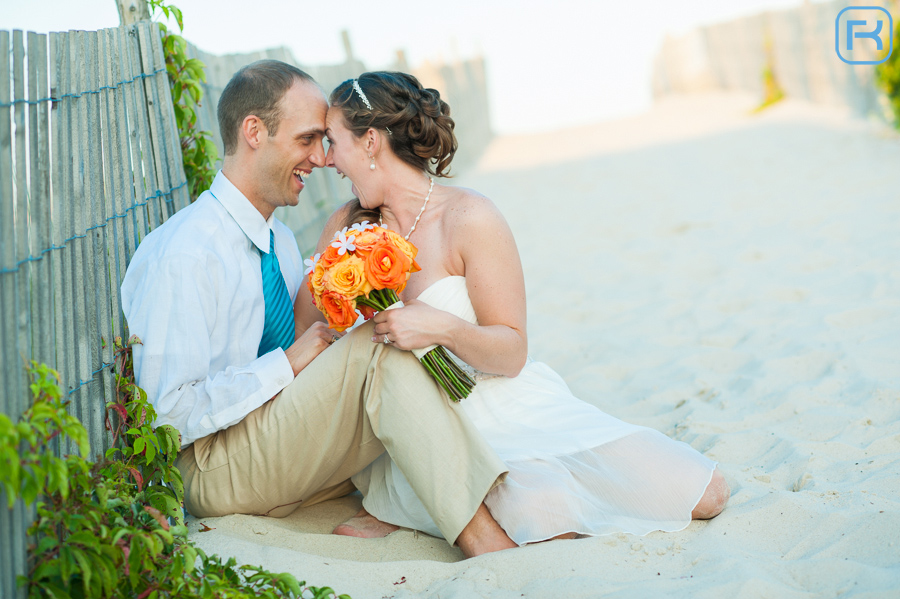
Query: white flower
point(361, 227)
point(337, 233)
point(344, 244)
point(311, 263)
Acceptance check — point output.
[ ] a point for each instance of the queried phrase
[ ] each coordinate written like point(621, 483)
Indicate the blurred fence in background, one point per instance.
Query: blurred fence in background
point(462, 85)
point(797, 45)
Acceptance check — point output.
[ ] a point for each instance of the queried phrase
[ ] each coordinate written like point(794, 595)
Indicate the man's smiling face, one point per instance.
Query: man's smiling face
point(296, 148)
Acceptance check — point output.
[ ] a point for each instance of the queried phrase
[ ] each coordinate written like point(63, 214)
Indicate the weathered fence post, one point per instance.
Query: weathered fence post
point(132, 11)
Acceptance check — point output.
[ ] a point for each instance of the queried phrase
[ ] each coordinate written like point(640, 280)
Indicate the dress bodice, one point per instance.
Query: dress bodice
point(450, 294)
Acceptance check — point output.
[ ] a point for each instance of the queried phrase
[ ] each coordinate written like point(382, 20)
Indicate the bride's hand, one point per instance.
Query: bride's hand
point(414, 326)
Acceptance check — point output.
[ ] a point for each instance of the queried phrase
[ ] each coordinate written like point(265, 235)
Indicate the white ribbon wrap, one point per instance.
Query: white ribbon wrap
point(418, 353)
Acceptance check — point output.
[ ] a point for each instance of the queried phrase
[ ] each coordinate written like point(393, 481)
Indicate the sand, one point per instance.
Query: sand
point(730, 279)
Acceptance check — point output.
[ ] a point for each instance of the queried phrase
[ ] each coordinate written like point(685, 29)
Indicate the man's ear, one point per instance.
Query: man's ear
point(253, 130)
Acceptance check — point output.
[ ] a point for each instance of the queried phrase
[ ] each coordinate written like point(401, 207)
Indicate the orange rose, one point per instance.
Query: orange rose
point(340, 312)
point(315, 279)
point(365, 241)
point(405, 246)
point(348, 278)
point(387, 267)
point(330, 257)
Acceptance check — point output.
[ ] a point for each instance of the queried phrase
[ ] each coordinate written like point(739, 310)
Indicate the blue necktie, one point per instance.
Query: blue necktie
point(278, 330)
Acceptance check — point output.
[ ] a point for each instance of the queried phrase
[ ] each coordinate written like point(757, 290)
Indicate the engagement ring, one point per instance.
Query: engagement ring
point(386, 340)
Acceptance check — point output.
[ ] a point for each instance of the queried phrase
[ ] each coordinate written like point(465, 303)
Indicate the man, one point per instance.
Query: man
point(270, 423)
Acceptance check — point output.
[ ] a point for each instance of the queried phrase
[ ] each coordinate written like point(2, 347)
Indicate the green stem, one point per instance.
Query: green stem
point(436, 375)
point(462, 374)
point(445, 372)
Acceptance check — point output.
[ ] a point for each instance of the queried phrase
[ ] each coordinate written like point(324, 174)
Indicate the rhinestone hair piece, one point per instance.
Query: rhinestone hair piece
point(366, 100)
point(361, 94)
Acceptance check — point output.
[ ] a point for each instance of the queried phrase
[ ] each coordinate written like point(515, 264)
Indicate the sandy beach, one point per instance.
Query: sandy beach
point(731, 279)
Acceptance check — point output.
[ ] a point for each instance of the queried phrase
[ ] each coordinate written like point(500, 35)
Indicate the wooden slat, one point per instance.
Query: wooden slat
point(23, 307)
point(97, 288)
point(8, 351)
point(120, 189)
point(11, 558)
point(138, 216)
point(174, 163)
point(154, 172)
point(57, 180)
point(146, 178)
point(39, 117)
point(158, 90)
point(78, 200)
point(67, 199)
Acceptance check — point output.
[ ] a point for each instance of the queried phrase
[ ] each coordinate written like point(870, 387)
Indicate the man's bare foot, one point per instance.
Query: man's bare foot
point(365, 526)
point(483, 535)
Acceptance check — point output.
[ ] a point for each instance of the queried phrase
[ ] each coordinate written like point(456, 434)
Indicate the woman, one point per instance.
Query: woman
point(573, 469)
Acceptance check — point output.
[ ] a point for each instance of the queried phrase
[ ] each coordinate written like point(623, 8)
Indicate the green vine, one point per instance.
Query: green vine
point(199, 153)
point(114, 528)
point(888, 72)
point(772, 92)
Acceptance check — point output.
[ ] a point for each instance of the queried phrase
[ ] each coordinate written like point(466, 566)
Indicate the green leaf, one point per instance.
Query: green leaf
point(48, 569)
point(84, 569)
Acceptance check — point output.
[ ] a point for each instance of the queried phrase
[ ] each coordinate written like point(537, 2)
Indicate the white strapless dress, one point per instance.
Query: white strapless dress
point(572, 468)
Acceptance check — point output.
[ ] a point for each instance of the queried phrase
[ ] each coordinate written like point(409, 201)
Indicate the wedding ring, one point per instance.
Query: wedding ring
point(334, 338)
point(386, 340)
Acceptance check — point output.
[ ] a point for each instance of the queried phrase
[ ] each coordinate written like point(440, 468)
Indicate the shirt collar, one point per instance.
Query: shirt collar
point(242, 211)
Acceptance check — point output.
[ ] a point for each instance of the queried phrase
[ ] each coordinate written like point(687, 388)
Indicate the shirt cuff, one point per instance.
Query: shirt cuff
point(275, 372)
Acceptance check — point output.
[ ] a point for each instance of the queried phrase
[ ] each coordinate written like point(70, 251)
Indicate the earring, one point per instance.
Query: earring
point(372, 166)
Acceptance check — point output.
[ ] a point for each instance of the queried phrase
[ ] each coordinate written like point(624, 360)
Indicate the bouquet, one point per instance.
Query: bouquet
point(364, 270)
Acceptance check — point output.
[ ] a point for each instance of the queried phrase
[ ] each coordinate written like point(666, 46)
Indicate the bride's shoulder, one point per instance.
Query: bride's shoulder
point(467, 206)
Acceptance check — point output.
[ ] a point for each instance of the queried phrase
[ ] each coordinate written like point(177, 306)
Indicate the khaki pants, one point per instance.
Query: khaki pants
point(353, 402)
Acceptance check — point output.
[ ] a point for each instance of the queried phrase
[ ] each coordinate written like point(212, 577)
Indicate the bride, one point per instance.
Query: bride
point(572, 468)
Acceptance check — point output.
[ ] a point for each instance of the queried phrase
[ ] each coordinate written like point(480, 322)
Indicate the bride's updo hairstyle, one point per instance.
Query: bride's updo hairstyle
point(416, 122)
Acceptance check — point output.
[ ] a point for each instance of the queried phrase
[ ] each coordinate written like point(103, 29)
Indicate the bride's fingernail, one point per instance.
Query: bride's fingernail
point(373, 339)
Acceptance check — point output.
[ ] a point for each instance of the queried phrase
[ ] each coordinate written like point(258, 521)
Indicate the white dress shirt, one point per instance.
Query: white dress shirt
point(193, 295)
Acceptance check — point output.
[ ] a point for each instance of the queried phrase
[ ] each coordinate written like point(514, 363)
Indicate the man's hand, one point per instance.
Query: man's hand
point(311, 343)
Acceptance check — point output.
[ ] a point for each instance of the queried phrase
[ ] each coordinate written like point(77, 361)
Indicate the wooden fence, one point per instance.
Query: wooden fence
point(89, 163)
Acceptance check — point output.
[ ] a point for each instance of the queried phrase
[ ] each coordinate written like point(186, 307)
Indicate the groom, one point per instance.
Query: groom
point(270, 423)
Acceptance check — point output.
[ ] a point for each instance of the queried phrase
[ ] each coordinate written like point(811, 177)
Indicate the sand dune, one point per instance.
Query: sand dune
point(740, 291)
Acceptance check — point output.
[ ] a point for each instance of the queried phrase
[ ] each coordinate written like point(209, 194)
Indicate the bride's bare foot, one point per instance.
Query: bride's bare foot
point(365, 526)
point(483, 535)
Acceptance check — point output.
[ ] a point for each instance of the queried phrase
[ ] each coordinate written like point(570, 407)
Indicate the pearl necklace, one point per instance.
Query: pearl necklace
point(408, 235)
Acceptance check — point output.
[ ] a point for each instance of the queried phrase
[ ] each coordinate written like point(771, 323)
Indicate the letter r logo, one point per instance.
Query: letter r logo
point(863, 38)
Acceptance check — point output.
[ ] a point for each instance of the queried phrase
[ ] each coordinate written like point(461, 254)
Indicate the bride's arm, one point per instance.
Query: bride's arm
point(484, 249)
point(483, 240)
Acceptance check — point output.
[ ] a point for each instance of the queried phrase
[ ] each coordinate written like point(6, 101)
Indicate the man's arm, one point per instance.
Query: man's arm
point(173, 307)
